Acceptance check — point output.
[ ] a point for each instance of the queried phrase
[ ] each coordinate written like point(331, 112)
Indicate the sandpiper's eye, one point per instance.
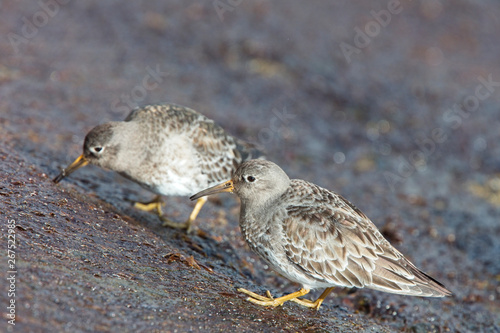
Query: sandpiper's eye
point(250, 179)
point(97, 150)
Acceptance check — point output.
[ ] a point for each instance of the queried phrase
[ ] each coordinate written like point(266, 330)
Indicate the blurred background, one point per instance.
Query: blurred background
point(393, 104)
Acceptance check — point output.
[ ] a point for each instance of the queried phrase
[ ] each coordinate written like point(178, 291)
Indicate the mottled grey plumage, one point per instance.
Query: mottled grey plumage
point(168, 149)
point(317, 238)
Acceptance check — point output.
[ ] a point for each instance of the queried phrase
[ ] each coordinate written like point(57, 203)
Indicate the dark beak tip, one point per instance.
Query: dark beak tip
point(58, 178)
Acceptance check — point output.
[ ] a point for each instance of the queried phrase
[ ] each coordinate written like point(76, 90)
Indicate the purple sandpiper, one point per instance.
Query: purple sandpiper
point(169, 149)
point(315, 237)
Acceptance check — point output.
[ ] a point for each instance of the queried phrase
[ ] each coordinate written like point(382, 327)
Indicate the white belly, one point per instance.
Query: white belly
point(175, 169)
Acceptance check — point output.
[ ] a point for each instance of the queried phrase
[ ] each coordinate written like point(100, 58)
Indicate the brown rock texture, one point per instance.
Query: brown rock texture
point(393, 104)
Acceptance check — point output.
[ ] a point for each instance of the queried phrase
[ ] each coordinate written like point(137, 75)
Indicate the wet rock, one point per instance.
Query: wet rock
point(394, 127)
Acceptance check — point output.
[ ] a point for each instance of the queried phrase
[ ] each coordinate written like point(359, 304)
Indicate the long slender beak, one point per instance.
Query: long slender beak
point(224, 187)
point(81, 161)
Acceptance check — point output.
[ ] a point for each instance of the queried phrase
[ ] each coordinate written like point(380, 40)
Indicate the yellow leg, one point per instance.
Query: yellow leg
point(151, 205)
point(317, 303)
point(257, 296)
point(269, 300)
point(187, 225)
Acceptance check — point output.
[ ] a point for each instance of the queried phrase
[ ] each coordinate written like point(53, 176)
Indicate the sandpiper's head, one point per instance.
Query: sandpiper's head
point(255, 181)
point(99, 148)
point(259, 180)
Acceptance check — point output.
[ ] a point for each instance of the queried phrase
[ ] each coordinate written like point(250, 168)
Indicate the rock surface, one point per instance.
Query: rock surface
point(363, 99)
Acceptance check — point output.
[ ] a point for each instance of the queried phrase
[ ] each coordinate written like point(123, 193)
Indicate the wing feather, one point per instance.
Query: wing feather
point(333, 241)
point(218, 152)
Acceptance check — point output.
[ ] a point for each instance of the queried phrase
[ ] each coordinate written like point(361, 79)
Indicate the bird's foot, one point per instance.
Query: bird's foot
point(154, 204)
point(308, 303)
point(317, 303)
point(189, 222)
point(269, 300)
point(177, 225)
